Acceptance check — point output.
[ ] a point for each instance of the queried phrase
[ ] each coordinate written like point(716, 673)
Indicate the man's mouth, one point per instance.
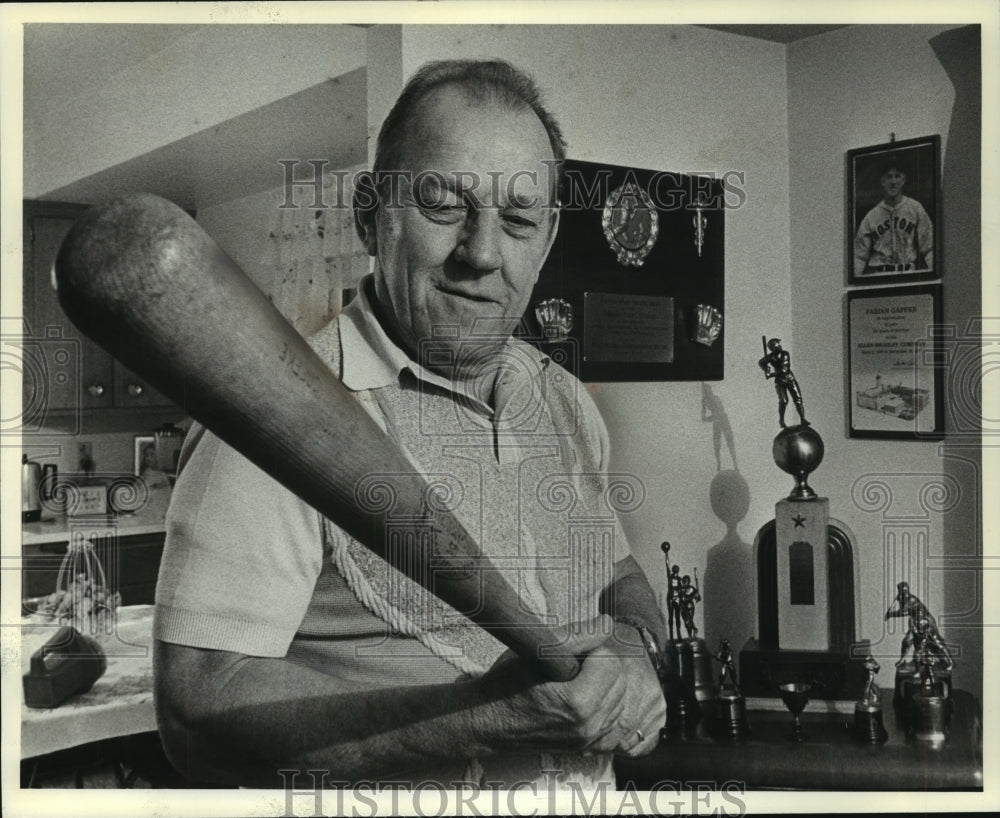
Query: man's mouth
point(466, 294)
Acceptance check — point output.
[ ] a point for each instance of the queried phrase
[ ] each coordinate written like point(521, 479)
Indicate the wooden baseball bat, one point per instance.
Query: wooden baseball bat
point(141, 278)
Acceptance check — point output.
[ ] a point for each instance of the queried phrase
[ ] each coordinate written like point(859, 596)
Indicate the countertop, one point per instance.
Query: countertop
point(120, 702)
point(54, 528)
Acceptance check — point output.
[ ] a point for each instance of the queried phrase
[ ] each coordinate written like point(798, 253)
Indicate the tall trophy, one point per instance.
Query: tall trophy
point(807, 579)
point(694, 662)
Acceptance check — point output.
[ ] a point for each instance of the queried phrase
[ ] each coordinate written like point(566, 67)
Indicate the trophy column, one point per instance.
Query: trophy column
point(800, 529)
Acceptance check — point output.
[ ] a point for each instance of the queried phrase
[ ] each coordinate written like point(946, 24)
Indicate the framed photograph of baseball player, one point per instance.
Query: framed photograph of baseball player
point(895, 387)
point(893, 231)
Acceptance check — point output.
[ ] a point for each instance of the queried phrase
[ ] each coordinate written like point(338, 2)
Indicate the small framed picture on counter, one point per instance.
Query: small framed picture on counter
point(147, 463)
point(895, 387)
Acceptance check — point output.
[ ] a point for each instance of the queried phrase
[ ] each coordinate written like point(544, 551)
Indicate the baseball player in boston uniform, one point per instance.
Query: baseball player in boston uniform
point(896, 236)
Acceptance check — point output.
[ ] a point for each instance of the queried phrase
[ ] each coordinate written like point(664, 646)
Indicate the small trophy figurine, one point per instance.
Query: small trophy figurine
point(777, 364)
point(732, 704)
point(930, 660)
point(690, 594)
point(868, 724)
point(693, 657)
point(673, 594)
point(799, 449)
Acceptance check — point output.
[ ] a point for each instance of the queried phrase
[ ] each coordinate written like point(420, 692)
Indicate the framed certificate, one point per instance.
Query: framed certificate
point(895, 387)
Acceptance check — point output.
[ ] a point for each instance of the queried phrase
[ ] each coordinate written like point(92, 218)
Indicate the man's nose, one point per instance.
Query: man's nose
point(479, 242)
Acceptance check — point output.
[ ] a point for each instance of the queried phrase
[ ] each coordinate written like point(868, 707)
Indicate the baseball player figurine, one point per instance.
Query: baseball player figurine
point(727, 673)
point(922, 634)
point(777, 364)
point(872, 695)
point(673, 594)
point(689, 595)
point(897, 235)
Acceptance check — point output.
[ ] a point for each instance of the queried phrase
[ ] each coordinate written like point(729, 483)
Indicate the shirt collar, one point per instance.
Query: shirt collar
point(372, 360)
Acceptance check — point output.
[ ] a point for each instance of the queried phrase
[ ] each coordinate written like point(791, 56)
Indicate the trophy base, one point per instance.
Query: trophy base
point(832, 674)
point(908, 685)
point(695, 668)
point(868, 724)
point(731, 715)
point(930, 718)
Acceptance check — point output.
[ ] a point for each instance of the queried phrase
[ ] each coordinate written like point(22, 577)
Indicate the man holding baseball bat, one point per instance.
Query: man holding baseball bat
point(282, 644)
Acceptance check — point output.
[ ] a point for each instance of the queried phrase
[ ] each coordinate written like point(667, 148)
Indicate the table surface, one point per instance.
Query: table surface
point(829, 759)
point(120, 703)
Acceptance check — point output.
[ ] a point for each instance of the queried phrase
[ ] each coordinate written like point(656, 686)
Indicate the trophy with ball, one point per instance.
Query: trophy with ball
point(807, 580)
point(693, 659)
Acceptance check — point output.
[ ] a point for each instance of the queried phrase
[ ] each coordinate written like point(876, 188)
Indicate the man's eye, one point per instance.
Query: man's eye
point(518, 225)
point(445, 213)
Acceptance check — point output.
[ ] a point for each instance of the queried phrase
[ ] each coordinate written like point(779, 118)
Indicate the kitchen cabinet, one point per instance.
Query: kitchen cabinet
point(66, 376)
point(131, 563)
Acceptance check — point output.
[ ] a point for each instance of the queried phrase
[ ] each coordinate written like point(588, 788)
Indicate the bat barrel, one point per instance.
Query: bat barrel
point(143, 280)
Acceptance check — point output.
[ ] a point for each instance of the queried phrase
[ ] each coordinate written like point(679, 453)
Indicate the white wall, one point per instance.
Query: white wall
point(690, 100)
point(848, 89)
point(72, 132)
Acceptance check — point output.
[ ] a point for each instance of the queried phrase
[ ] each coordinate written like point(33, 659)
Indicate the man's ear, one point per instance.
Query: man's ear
point(365, 202)
point(553, 218)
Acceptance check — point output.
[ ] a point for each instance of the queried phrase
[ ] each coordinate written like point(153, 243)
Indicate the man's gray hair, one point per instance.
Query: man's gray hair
point(487, 81)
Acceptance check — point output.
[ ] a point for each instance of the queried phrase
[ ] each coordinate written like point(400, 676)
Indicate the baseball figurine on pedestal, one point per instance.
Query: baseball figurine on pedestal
point(731, 703)
point(806, 572)
point(693, 658)
point(868, 725)
point(923, 682)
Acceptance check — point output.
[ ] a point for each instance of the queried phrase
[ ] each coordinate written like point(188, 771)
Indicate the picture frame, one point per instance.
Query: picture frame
point(894, 212)
point(895, 360)
point(139, 449)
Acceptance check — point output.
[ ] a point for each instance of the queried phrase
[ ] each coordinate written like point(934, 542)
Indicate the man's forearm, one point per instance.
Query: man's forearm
point(242, 719)
point(237, 719)
point(630, 595)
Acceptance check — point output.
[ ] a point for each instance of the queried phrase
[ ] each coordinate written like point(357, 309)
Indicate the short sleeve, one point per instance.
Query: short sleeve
point(241, 559)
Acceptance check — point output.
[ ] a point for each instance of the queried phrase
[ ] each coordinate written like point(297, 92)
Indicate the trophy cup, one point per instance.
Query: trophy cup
point(795, 695)
point(807, 578)
point(732, 706)
point(694, 665)
point(868, 724)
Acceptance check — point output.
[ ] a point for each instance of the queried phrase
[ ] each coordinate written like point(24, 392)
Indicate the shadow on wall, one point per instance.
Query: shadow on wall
point(959, 52)
point(728, 596)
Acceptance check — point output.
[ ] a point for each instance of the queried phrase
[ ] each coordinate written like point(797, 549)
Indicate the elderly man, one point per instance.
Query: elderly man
point(282, 644)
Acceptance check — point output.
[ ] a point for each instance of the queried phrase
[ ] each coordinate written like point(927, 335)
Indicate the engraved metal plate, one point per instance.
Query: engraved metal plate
point(628, 328)
point(631, 223)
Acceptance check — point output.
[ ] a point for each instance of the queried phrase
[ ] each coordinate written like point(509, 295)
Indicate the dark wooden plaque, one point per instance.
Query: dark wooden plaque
point(630, 233)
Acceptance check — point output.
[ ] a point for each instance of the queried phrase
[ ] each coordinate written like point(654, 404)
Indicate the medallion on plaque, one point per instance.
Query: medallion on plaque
point(631, 223)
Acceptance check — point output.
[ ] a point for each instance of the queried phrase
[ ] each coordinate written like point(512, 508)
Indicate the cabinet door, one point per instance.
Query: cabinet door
point(64, 370)
point(131, 391)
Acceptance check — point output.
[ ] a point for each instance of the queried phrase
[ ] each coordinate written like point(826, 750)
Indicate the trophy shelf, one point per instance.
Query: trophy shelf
point(830, 759)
